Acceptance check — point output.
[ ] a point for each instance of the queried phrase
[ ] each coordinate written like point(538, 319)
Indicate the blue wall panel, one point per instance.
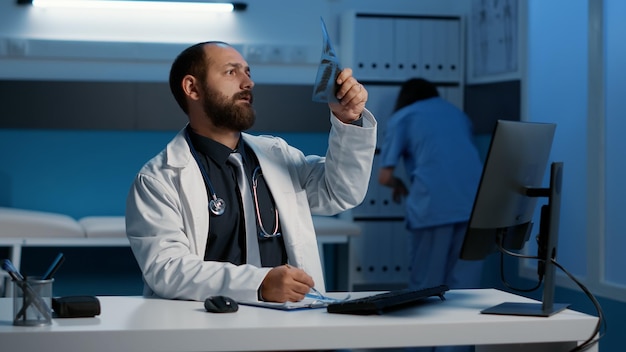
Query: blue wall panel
point(84, 173)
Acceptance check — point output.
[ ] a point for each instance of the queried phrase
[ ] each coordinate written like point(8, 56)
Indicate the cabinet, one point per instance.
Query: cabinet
point(394, 48)
point(378, 258)
point(384, 50)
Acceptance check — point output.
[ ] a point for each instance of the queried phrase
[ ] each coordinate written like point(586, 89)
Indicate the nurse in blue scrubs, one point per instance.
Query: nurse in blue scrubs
point(434, 139)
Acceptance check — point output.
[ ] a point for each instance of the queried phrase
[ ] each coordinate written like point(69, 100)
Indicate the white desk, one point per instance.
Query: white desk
point(137, 324)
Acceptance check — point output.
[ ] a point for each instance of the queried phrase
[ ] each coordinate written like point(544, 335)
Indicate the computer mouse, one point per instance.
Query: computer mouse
point(220, 304)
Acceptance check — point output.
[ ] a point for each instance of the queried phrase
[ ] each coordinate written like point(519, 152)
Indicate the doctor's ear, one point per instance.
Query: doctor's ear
point(191, 87)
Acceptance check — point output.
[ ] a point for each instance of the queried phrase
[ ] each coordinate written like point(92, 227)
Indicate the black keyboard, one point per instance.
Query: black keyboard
point(386, 301)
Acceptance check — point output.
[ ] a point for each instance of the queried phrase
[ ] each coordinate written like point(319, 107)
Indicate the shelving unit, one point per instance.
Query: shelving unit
point(384, 50)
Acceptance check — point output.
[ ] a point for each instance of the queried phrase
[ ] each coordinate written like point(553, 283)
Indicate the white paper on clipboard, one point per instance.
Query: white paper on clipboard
point(306, 303)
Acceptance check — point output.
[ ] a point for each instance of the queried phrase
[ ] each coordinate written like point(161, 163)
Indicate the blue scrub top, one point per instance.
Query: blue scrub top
point(435, 140)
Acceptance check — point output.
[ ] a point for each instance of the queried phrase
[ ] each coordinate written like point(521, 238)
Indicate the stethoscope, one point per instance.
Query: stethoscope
point(217, 205)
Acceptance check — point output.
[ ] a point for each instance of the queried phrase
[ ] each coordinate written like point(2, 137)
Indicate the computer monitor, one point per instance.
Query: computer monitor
point(504, 207)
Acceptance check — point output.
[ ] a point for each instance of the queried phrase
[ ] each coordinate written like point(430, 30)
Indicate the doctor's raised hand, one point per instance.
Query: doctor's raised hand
point(352, 97)
point(287, 283)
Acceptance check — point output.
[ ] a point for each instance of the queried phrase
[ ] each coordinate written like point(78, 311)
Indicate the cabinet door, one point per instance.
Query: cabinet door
point(407, 49)
point(373, 49)
point(379, 256)
point(427, 39)
point(451, 58)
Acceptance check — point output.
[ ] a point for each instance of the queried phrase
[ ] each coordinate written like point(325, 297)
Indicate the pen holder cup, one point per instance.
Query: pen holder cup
point(32, 301)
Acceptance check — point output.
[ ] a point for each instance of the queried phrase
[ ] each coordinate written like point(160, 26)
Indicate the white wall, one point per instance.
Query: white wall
point(556, 91)
point(77, 45)
point(615, 141)
point(580, 85)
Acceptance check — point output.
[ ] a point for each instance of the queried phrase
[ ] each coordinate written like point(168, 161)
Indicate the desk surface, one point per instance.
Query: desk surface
point(139, 324)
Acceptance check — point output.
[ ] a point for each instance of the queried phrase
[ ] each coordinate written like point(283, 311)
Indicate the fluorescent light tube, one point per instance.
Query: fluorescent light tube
point(137, 5)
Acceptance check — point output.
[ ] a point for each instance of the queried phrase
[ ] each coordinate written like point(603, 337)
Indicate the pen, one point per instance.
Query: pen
point(8, 266)
point(54, 267)
point(318, 296)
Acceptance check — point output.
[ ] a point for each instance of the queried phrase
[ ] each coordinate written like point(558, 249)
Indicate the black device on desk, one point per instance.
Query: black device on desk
point(220, 304)
point(386, 301)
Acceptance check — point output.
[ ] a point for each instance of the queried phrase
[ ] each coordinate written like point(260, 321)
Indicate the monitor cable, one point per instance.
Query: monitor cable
point(601, 326)
point(600, 329)
point(505, 282)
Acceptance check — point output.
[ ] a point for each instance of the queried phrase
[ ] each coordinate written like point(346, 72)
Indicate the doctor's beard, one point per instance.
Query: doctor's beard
point(229, 113)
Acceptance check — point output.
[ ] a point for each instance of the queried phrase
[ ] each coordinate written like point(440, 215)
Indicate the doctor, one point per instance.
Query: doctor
point(184, 214)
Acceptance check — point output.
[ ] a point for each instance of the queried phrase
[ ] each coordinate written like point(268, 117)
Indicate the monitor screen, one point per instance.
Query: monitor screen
point(516, 162)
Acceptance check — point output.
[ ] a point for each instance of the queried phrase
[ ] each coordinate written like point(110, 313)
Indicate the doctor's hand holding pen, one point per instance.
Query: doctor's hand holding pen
point(286, 283)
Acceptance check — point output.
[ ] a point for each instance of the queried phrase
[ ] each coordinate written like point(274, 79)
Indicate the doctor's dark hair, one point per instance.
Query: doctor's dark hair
point(415, 89)
point(191, 61)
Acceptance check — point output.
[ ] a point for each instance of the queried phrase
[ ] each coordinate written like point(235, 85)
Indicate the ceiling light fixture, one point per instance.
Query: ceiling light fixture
point(139, 5)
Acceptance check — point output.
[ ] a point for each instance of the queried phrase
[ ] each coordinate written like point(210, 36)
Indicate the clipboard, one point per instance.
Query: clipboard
point(306, 303)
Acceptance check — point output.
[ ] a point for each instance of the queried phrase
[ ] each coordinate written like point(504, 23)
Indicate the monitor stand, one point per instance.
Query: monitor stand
point(546, 248)
point(527, 309)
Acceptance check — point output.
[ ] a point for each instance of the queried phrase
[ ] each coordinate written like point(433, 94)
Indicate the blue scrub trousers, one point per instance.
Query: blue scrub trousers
point(434, 260)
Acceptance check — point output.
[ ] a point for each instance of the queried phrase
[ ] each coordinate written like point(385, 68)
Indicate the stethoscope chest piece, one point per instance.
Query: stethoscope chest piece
point(217, 206)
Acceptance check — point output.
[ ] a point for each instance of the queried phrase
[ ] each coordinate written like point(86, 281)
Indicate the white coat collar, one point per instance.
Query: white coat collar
point(178, 154)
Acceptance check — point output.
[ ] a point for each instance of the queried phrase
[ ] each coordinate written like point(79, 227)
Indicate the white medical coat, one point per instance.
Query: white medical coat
point(167, 219)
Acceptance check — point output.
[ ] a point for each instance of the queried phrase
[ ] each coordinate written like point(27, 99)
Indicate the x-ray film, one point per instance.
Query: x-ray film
point(325, 88)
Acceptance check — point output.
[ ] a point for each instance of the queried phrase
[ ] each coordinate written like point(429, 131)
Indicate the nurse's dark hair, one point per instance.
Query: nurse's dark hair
point(415, 89)
point(191, 61)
